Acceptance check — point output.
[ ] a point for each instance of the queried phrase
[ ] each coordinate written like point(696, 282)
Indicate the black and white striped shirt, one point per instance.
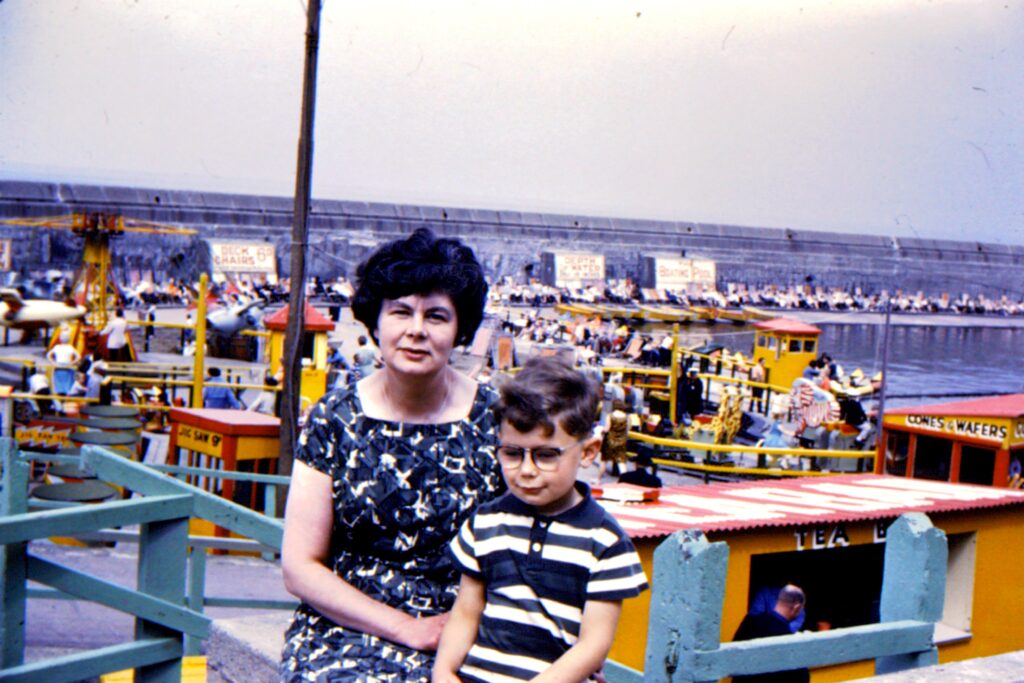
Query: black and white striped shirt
point(539, 572)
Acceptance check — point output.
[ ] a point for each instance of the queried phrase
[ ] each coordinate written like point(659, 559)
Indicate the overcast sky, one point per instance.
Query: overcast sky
point(894, 117)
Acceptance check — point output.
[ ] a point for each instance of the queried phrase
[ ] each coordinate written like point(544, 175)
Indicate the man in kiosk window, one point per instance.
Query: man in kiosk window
point(788, 606)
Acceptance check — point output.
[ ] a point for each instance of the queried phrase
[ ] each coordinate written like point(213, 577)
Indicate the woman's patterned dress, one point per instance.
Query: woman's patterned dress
point(401, 492)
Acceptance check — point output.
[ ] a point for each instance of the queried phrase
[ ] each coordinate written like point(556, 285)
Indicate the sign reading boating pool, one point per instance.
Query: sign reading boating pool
point(244, 257)
point(677, 274)
point(565, 269)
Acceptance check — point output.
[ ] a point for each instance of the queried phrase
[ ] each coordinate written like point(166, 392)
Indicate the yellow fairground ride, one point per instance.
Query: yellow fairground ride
point(93, 285)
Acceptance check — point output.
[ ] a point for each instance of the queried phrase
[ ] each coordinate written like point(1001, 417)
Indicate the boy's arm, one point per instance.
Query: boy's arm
point(460, 631)
point(597, 630)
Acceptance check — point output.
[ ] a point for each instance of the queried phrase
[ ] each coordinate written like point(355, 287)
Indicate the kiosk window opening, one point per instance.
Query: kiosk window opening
point(955, 624)
point(897, 445)
point(932, 458)
point(856, 568)
point(977, 465)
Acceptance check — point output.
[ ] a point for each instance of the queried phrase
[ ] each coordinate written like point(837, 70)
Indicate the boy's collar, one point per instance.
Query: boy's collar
point(509, 503)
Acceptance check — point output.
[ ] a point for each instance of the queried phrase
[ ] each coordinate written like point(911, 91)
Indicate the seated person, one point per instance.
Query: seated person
point(789, 604)
point(547, 607)
point(644, 472)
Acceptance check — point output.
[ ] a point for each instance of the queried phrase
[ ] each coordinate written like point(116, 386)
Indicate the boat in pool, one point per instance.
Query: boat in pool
point(587, 310)
point(668, 314)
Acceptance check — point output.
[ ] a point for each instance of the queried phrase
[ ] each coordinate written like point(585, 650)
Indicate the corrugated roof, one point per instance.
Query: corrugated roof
point(800, 502)
point(787, 325)
point(1010, 406)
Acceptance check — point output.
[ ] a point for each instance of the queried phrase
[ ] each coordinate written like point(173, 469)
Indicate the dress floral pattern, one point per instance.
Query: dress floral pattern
point(401, 492)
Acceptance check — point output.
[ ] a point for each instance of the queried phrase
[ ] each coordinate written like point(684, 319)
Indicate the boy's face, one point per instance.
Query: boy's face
point(550, 489)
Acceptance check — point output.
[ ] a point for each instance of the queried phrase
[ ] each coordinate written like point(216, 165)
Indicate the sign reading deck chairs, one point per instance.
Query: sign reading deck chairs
point(573, 270)
point(244, 257)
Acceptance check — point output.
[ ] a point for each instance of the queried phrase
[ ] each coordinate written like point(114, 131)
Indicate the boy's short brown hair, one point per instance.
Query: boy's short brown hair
point(545, 390)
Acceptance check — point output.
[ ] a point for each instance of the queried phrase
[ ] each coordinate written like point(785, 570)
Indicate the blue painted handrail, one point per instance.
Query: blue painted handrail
point(163, 624)
point(683, 642)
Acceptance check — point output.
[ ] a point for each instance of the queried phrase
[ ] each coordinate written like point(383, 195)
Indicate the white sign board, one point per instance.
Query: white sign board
point(704, 271)
point(672, 273)
point(243, 257)
point(577, 270)
point(682, 273)
point(5, 254)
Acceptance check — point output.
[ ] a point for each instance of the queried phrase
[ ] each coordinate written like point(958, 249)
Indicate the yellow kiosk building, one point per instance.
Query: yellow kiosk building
point(316, 328)
point(979, 441)
point(827, 535)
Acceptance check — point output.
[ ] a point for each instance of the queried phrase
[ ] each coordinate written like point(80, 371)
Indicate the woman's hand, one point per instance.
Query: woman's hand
point(422, 633)
point(305, 557)
point(444, 677)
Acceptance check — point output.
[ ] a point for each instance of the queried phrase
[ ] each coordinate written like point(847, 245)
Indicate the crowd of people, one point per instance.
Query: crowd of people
point(770, 296)
point(507, 293)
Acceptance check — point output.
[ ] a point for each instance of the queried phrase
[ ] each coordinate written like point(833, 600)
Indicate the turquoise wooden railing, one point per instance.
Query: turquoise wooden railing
point(163, 622)
point(683, 641)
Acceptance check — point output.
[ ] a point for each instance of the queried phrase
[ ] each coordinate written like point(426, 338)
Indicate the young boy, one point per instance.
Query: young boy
point(544, 567)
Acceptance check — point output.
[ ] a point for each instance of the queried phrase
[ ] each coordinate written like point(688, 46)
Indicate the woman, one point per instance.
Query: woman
point(64, 357)
point(385, 473)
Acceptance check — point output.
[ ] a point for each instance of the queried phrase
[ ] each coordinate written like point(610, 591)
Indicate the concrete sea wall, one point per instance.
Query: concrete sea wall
point(343, 231)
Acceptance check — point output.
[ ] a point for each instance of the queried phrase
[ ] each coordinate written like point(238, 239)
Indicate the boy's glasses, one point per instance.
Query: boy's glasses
point(545, 458)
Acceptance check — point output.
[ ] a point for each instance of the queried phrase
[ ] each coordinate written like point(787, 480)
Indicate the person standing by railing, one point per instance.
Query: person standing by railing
point(116, 333)
point(64, 357)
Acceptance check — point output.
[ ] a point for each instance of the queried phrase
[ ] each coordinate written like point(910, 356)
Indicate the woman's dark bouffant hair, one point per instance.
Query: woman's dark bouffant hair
point(548, 389)
point(422, 264)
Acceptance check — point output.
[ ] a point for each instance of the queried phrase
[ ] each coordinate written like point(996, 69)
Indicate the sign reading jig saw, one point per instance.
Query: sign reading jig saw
point(200, 440)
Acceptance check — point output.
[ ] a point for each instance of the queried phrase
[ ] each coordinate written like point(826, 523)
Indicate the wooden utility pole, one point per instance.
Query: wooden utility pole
point(292, 356)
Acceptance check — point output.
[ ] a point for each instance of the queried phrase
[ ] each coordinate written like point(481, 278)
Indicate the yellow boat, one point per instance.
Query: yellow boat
point(578, 309)
point(704, 313)
point(739, 317)
point(621, 312)
point(670, 314)
point(754, 314)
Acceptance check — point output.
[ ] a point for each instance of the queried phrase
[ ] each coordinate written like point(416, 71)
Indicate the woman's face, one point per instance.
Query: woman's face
point(417, 332)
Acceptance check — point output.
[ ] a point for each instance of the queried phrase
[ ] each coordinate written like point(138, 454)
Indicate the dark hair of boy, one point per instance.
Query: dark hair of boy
point(548, 389)
point(422, 264)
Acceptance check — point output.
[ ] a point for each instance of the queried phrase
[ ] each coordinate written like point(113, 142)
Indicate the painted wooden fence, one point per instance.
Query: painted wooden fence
point(162, 620)
point(683, 642)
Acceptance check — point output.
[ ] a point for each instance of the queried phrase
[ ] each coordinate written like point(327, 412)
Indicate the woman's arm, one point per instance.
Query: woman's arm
point(305, 555)
point(597, 631)
point(460, 631)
